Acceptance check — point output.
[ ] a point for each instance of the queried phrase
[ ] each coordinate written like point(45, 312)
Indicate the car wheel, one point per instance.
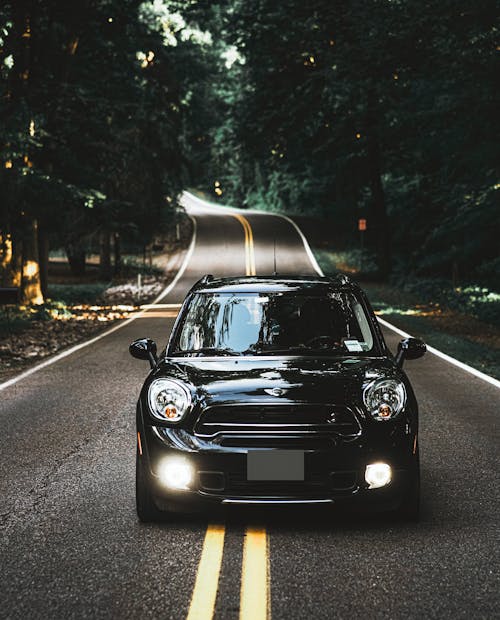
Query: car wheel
point(147, 510)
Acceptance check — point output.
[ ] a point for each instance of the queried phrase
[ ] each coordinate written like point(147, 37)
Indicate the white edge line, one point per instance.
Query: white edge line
point(307, 247)
point(444, 356)
point(436, 352)
point(317, 268)
point(210, 206)
point(82, 345)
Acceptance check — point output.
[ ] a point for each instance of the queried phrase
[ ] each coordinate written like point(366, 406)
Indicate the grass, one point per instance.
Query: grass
point(464, 337)
point(69, 294)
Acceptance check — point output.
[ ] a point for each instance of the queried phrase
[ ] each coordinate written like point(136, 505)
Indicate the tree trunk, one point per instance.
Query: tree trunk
point(6, 260)
point(378, 224)
point(31, 292)
point(105, 255)
point(43, 253)
point(117, 253)
point(76, 258)
point(17, 262)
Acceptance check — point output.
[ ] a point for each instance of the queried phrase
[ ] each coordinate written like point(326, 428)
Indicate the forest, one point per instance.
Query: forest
point(385, 110)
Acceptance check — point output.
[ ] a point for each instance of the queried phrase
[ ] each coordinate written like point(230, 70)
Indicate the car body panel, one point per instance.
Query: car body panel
point(310, 404)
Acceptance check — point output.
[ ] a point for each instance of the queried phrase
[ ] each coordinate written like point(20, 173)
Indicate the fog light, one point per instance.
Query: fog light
point(175, 473)
point(378, 475)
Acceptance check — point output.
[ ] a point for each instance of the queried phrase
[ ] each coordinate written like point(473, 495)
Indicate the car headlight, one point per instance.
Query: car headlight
point(385, 398)
point(168, 400)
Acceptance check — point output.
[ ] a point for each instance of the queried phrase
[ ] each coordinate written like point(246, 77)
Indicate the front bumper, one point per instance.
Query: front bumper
point(332, 475)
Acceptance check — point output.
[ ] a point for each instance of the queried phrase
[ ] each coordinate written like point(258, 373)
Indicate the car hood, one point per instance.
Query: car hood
point(284, 380)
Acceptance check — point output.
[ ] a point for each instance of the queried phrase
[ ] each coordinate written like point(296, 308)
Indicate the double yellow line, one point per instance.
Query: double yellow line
point(255, 589)
point(249, 245)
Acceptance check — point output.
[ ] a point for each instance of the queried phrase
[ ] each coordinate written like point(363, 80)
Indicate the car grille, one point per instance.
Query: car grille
point(286, 441)
point(271, 419)
point(238, 485)
point(317, 485)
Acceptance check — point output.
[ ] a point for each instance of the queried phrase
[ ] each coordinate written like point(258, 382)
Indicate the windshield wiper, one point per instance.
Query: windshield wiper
point(207, 351)
point(292, 350)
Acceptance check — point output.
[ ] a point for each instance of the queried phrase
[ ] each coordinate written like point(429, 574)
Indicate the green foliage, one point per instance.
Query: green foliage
point(48, 310)
point(356, 262)
point(92, 119)
point(478, 301)
point(383, 110)
point(15, 320)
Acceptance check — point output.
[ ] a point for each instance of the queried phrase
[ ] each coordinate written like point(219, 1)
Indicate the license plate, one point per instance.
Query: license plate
point(275, 465)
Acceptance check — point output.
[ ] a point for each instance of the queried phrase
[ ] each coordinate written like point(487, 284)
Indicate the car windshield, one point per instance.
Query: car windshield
point(274, 323)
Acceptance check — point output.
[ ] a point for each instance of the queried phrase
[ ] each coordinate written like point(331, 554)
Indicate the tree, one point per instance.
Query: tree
point(91, 124)
point(378, 109)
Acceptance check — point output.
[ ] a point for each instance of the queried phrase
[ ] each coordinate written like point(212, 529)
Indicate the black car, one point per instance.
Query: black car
point(277, 390)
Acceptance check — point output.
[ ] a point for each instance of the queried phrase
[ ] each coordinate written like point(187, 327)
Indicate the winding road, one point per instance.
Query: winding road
point(70, 542)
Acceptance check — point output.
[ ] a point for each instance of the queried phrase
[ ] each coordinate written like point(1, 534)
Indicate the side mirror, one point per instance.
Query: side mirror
point(410, 349)
point(144, 349)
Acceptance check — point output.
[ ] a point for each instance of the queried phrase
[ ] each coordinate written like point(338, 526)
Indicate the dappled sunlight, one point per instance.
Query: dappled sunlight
point(428, 311)
point(103, 314)
point(30, 269)
point(58, 311)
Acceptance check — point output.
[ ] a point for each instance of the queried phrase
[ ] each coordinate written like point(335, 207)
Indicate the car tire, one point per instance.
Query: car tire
point(147, 510)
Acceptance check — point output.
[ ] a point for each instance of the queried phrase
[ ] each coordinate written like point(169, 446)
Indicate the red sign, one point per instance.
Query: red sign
point(361, 224)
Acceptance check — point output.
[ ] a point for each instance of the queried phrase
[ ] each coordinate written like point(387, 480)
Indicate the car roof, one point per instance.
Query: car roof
point(267, 284)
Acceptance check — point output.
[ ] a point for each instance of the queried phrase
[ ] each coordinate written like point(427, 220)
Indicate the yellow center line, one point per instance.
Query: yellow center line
point(249, 245)
point(207, 580)
point(255, 590)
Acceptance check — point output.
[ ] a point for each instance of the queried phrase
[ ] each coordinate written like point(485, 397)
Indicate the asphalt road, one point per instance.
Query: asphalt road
point(71, 545)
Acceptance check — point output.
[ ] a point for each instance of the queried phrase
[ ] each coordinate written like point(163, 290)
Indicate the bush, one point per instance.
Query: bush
point(351, 262)
point(480, 302)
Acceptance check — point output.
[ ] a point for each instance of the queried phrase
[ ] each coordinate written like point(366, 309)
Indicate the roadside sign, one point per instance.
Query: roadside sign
point(361, 224)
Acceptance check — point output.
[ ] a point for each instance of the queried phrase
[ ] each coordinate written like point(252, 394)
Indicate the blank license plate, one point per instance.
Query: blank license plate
point(275, 465)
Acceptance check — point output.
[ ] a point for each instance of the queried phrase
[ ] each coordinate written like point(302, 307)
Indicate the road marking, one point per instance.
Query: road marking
point(160, 306)
point(233, 211)
point(255, 574)
point(447, 358)
point(86, 343)
point(249, 244)
point(207, 579)
point(255, 590)
point(307, 247)
point(165, 314)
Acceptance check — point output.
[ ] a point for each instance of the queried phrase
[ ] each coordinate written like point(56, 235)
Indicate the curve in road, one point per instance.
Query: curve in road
point(71, 546)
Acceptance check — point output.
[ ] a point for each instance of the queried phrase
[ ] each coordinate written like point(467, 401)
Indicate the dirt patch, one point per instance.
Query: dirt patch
point(41, 338)
point(30, 340)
